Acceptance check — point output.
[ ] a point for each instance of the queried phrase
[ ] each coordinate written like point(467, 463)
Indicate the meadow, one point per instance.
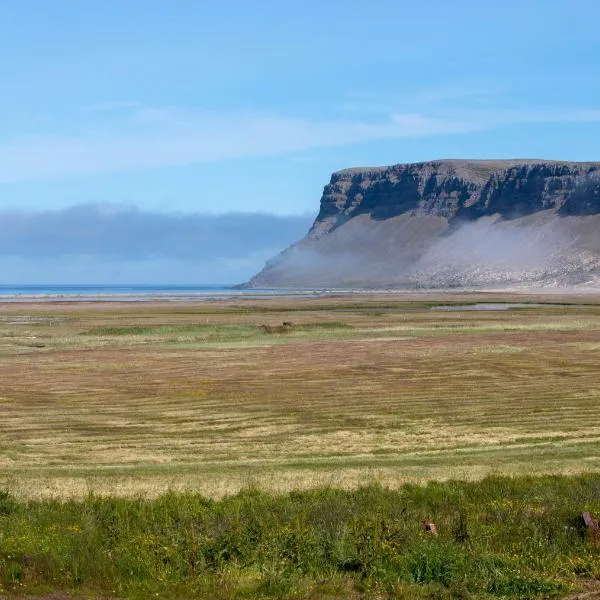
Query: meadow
point(255, 413)
point(128, 398)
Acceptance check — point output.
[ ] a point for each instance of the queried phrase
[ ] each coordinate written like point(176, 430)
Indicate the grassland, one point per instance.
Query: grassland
point(160, 449)
point(210, 397)
point(498, 538)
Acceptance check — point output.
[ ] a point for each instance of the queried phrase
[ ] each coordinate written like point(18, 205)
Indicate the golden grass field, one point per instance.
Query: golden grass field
point(134, 398)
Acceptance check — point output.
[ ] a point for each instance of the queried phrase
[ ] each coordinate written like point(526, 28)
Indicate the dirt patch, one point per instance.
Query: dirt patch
point(591, 591)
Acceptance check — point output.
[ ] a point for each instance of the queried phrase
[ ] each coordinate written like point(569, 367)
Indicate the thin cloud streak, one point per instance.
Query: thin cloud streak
point(155, 138)
point(117, 105)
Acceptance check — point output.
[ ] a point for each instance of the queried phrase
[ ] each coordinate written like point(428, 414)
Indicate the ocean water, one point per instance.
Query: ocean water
point(135, 293)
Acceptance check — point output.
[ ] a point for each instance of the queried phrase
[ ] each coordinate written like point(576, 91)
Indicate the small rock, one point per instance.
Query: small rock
point(429, 527)
point(590, 527)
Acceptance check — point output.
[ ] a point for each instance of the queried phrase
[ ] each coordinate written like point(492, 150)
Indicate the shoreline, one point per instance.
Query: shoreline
point(222, 294)
point(282, 293)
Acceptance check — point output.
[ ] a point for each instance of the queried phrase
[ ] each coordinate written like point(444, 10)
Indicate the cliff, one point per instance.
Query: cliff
point(449, 223)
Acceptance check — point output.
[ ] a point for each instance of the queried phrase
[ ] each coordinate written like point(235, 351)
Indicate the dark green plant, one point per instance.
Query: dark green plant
point(500, 537)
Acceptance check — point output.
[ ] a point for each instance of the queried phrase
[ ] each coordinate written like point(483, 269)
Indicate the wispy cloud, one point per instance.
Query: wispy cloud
point(151, 138)
point(367, 101)
point(116, 105)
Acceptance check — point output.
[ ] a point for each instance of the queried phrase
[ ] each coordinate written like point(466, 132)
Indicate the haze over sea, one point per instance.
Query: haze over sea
point(135, 292)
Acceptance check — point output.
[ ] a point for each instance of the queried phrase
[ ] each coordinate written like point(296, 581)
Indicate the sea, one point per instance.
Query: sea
point(139, 293)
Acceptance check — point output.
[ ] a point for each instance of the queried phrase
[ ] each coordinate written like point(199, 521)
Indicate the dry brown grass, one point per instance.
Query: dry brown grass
point(136, 398)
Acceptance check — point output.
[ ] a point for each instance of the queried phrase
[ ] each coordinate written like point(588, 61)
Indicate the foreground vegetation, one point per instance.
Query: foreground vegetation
point(498, 538)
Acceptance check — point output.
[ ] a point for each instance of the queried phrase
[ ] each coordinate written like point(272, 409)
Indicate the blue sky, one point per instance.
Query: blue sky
point(181, 106)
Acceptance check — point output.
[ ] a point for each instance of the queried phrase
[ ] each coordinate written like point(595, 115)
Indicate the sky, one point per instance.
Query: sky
point(131, 132)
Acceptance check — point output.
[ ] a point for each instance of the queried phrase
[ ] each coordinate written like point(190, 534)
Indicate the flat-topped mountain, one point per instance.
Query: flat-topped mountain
point(449, 223)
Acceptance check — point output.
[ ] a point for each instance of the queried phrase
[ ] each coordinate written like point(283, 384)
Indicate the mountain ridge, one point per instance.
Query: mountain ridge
point(380, 226)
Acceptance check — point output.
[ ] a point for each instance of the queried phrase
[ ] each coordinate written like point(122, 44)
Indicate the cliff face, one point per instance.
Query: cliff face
point(448, 223)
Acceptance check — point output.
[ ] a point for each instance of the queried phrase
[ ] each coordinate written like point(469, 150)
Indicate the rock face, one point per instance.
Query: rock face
point(449, 223)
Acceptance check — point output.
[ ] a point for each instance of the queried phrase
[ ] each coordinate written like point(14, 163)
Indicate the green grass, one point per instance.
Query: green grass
point(216, 332)
point(498, 538)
